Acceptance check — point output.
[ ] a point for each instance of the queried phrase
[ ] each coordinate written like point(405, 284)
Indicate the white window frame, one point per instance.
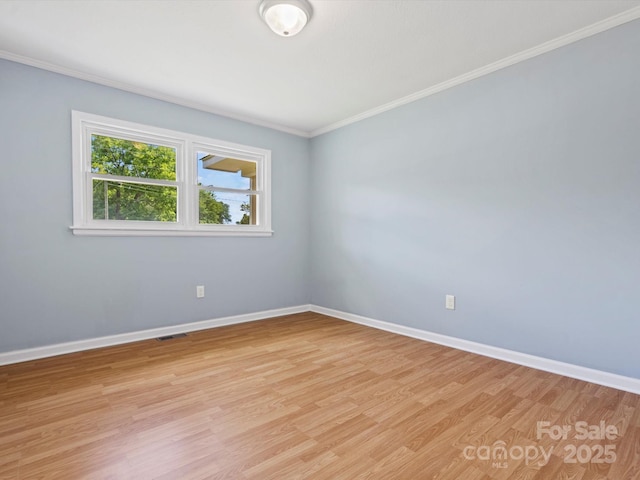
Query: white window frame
point(83, 125)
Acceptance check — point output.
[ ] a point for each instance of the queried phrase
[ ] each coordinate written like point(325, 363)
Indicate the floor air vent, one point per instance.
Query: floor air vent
point(171, 337)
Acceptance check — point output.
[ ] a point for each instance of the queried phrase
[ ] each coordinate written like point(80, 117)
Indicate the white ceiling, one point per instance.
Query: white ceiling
point(355, 58)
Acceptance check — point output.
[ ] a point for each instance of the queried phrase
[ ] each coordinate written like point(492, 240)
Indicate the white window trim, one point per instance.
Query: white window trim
point(85, 124)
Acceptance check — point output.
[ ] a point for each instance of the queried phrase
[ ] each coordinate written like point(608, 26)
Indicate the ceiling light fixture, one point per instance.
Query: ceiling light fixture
point(285, 17)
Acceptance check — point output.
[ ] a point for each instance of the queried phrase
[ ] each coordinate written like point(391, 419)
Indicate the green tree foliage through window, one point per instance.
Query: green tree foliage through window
point(115, 156)
point(124, 200)
point(212, 210)
point(133, 201)
point(245, 208)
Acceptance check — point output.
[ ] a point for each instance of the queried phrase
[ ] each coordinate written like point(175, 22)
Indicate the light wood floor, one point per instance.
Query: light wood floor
point(302, 397)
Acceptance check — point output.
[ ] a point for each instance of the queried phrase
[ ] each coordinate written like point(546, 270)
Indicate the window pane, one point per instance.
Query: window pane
point(115, 156)
point(218, 171)
point(134, 201)
point(228, 208)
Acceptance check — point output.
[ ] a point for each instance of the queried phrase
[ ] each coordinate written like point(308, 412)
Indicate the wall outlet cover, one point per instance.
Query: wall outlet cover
point(450, 302)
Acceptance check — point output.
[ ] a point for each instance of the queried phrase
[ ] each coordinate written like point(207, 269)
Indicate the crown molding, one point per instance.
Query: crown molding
point(146, 92)
point(567, 39)
point(598, 27)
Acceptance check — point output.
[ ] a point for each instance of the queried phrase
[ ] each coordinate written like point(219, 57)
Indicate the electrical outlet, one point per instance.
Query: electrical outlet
point(200, 291)
point(450, 302)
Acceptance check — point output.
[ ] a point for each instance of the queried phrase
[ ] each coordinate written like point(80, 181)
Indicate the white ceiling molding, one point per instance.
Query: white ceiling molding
point(341, 69)
point(594, 29)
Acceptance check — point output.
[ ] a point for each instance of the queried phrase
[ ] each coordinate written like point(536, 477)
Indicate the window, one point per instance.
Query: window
point(131, 179)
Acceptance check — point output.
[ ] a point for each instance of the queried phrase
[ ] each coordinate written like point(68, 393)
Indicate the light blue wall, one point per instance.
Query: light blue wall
point(518, 192)
point(57, 287)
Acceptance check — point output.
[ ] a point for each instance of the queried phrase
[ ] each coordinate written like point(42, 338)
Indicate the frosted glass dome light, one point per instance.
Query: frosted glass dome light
point(285, 17)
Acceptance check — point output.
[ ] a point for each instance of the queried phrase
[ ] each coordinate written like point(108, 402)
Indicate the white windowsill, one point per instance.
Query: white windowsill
point(157, 232)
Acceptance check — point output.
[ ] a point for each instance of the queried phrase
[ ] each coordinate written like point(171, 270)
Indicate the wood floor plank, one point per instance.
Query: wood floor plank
point(301, 397)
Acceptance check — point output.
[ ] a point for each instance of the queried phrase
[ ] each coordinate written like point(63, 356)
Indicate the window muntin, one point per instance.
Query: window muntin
point(132, 179)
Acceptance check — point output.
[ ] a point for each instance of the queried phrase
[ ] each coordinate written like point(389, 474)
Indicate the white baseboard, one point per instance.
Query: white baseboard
point(599, 377)
point(91, 343)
